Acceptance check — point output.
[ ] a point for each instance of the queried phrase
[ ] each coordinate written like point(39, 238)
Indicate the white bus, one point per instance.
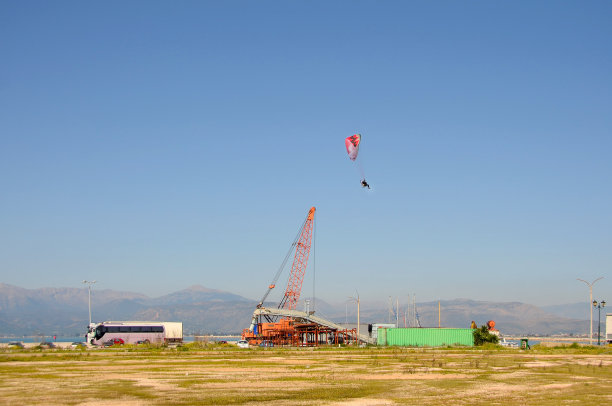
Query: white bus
point(134, 332)
point(608, 337)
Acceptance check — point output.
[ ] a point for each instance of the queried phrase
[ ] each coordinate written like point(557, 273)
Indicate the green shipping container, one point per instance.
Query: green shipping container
point(426, 337)
point(381, 336)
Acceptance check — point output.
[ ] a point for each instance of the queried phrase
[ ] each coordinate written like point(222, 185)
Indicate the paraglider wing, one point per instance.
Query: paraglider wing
point(352, 145)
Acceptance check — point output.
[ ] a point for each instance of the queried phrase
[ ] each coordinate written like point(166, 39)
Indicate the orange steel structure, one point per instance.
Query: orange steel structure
point(270, 330)
point(296, 333)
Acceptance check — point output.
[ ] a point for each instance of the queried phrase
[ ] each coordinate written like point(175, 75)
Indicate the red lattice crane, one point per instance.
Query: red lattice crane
point(298, 268)
point(301, 244)
point(286, 325)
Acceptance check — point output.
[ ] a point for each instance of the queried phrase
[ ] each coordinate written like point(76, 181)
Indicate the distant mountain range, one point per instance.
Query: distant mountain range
point(64, 312)
point(573, 310)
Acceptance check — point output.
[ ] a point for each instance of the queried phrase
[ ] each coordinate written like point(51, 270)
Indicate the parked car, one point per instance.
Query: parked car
point(266, 343)
point(114, 341)
point(46, 344)
point(243, 344)
point(143, 342)
point(222, 342)
point(509, 344)
point(15, 344)
point(77, 344)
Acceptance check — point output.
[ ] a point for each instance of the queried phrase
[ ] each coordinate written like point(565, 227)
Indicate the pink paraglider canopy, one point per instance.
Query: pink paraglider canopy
point(352, 145)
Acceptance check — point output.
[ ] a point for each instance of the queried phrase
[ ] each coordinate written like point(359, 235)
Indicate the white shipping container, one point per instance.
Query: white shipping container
point(376, 326)
point(174, 331)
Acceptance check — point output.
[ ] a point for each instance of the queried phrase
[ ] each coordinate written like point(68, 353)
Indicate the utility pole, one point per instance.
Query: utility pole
point(397, 312)
point(407, 314)
point(590, 285)
point(358, 320)
point(89, 283)
point(414, 319)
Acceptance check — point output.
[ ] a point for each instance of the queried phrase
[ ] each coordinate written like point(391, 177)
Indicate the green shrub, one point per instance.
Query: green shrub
point(482, 336)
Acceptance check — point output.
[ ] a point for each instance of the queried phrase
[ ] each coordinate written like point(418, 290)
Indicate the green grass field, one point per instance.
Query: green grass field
point(223, 374)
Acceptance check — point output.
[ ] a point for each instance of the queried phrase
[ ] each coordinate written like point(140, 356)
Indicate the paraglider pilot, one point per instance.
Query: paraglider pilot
point(364, 183)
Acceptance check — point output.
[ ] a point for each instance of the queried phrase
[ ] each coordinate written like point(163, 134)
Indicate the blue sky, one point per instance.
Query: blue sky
point(153, 145)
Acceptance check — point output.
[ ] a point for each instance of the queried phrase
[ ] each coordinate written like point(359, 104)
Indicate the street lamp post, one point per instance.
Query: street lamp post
point(89, 283)
point(602, 303)
point(358, 321)
point(590, 285)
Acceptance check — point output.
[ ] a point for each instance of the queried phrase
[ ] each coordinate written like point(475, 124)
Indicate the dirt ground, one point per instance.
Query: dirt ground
point(325, 376)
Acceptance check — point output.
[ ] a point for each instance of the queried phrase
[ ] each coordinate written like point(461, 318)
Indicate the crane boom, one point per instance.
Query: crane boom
point(298, 268)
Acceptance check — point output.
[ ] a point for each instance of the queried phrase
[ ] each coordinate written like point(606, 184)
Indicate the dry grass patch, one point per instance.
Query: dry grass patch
point(310, 377)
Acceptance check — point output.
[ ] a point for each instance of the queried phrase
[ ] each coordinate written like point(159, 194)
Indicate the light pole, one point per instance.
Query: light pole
point(358, 321)
point(602, 303)
point(89, 283)
point(590, 285)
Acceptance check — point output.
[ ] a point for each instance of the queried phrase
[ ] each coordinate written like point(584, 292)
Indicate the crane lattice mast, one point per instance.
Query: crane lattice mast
point(298, 268)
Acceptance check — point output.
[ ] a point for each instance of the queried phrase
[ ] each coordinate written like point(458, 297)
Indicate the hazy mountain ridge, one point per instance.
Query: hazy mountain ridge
point(512, 318)
point(573, 310)
point(196, 294)
point(64, 311)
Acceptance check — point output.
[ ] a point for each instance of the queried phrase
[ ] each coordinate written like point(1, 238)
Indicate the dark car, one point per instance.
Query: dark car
point(46, 344)
point(15, 344)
